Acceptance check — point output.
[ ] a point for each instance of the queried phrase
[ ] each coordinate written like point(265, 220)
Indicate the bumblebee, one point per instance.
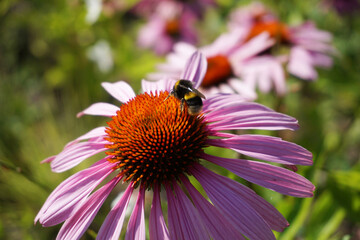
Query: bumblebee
point(185, 92)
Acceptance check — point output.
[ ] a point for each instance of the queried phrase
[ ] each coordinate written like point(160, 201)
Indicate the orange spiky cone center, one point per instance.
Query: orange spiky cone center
point(155, 140)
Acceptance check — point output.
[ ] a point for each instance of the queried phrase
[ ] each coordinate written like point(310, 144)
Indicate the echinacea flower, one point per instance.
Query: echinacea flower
point(227, 62)
point(301, 48)
point(152, 144)
point(169, 24)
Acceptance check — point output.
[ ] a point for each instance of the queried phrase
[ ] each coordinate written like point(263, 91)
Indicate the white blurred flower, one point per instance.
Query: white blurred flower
point(100, 53)
point(93, 10)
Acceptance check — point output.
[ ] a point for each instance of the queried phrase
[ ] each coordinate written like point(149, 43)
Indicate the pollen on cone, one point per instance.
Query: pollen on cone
point(154, 140)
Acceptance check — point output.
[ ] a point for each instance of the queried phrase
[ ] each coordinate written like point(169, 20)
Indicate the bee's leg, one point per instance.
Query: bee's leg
point(182, 101)
point(171, 93)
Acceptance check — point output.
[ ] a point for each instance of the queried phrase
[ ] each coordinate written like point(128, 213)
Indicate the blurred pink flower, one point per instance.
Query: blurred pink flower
point(166, 26)
point(229, 64)
point(152, 143)
point(310, 48)
point(302, 48)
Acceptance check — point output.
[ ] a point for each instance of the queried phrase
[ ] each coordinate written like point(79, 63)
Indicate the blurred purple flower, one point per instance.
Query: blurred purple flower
point(152, 142)
point(307, 46)
point(230, 64)
point(166, 26)
point(309, 49)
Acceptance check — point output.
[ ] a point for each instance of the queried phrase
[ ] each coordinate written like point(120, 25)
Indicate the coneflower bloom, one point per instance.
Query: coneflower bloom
point(302, 47)
point(227, 62)
point(169, 24)
point(153, 144)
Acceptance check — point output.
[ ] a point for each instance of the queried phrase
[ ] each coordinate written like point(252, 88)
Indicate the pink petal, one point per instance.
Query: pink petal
point(252, 48)
point(92, 134)
point(321, 60)
point(151, 32)
point(157, 86)
point(96, 132)
point(245, 115)
point(163, 44)
point(247, 220)
point(195, 69)
point(221, 100)
point(111, 227)
point(136, 225)
point(278, 76)
point(72, 192)
point(300, 64)
point(157, 225)
point(184, 221)
point(266, 148)
point(309, 31)
point(100, 109)
point(244, 90)
point(217, 225)
point(268, 212)
point(48, 160)
point(119, 90)
point(225, 43)
point(74, 154)
point(75, 226)
point(272, 177)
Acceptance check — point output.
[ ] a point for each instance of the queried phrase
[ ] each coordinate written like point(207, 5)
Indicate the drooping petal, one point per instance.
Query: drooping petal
point(308, 31)
point(252, 48)
point(247, 220)
point(244, 90)
point(75, 226)
point(217, 225)
point(300, 64)
point(321, 60)
point(226, 43)
point(72, 192)
point(272, 177)
point(157, 225)
point(121, 90)
point(184, 220)
point(75, 153)
point(268, 212)
point(265, 72)
point(111, 227)
point(100, 109)
point(266, 148)
point(96, 132)
point(136, 225)
point(49, 159)
point(278, 76)
point(93, 134)
point(195, 69)
point(246, 115)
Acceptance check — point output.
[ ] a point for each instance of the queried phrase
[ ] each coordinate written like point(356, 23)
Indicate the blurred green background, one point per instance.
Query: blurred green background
point(47, 76)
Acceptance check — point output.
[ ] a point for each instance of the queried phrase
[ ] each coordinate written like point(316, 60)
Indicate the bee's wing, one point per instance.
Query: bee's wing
point(198, 93)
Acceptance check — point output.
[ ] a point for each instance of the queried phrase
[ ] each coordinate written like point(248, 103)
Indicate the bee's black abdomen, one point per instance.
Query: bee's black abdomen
point(194, 105)
point(194, 101)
